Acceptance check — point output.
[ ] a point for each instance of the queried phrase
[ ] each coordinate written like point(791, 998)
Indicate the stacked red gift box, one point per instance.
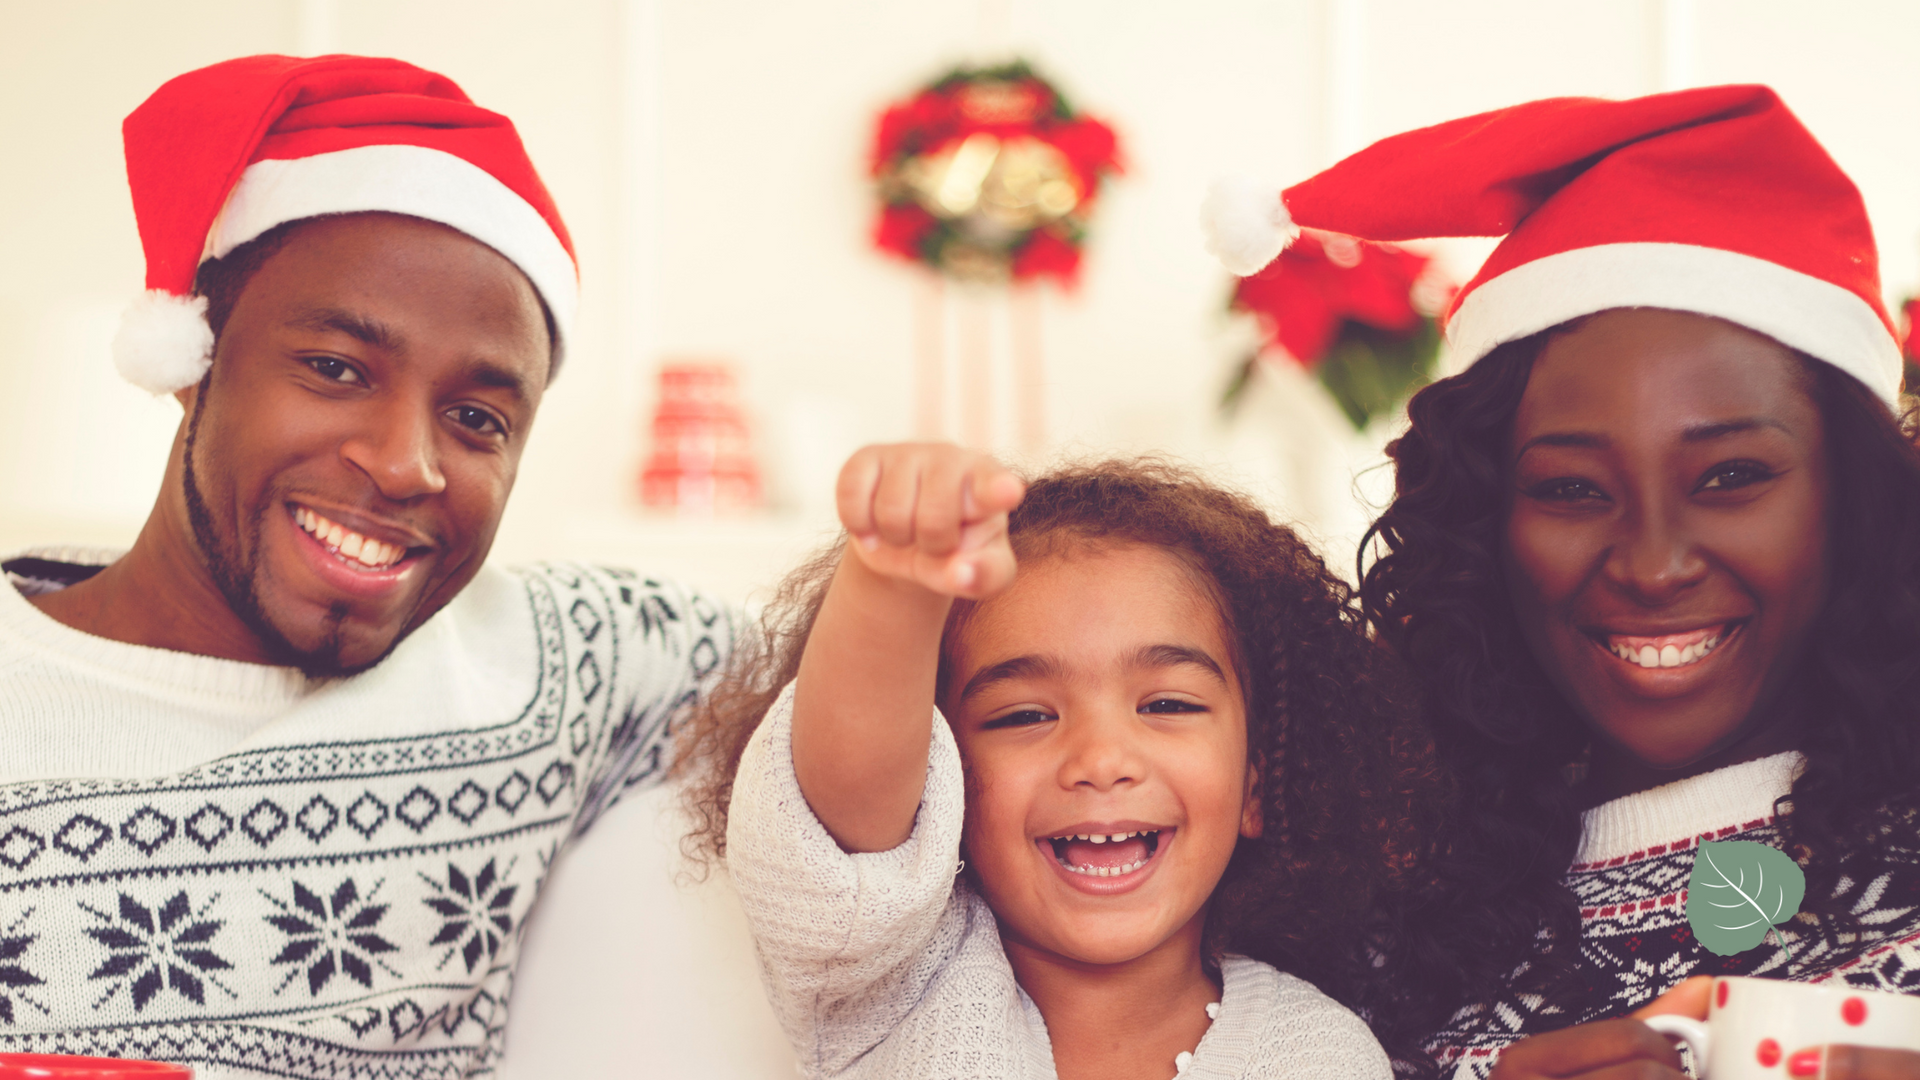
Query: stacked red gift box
point(701, 459)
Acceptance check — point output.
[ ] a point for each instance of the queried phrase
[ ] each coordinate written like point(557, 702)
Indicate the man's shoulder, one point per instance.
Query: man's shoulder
point(632, 603)
point(47, 569)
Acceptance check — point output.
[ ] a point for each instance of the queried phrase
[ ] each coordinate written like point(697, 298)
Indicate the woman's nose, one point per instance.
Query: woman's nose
point(1655, 557)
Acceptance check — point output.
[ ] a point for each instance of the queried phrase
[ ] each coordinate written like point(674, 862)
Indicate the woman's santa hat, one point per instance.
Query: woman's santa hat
point(220, 155)
point(1715, 201)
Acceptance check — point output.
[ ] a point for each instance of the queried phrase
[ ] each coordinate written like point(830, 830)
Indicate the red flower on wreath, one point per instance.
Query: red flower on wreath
point(989, 174)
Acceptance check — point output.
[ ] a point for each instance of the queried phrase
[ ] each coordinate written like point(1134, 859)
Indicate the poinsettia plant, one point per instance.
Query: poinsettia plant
point(988, 174)
point(1361, 316)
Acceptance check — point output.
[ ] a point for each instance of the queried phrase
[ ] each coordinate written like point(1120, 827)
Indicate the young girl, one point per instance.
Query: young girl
point(1656, 557)
point(1160, 746)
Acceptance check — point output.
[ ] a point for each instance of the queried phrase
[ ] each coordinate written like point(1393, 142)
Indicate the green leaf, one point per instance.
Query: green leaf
point(1739, 891)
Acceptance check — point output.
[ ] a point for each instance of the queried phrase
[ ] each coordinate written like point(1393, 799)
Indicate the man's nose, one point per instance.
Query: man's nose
point(1655, 556)
point(399, 451)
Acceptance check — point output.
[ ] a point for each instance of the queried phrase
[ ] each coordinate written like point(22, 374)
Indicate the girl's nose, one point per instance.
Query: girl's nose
point(1103, 752)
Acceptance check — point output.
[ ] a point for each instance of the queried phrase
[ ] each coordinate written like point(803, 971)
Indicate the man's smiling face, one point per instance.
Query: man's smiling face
point(349, 457)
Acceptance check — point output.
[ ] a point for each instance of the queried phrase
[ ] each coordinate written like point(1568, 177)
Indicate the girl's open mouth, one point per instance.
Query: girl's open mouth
point(1105, 854)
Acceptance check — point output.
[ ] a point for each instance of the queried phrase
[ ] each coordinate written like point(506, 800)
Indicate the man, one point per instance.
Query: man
point(279, 784)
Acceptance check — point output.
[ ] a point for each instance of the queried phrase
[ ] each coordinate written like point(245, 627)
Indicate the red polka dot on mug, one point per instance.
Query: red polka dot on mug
point(1768, 1052)
point(1853, 1011)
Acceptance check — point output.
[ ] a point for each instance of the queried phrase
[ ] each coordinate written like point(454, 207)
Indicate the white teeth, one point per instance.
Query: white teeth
point(345, 542)
point(1667, 656)
point(1097, 838)
point(1107, 871)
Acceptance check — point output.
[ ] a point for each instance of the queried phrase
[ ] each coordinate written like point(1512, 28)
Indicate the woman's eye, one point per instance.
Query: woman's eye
point(479, 421)
point(1018, 718)
point(1729, 475)
point(1565, 489)
point(334, 369)
point(1172, 705)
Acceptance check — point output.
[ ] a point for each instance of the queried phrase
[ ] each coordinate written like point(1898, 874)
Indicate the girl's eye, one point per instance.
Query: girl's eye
point(1729, 475)
point(1566, 489)
point(1018, 718)
point(334, 369)
point(479, 421)
point(1172, 705)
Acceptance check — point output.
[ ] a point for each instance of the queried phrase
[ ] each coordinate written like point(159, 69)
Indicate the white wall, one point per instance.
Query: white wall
point(708, 156)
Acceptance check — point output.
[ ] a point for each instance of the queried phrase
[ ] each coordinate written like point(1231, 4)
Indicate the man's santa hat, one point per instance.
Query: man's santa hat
point(220, 155)
point(1715, 201)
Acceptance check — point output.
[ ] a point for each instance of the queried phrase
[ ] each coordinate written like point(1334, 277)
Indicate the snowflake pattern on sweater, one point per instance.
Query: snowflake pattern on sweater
point(1636, 943)
point(347, 907)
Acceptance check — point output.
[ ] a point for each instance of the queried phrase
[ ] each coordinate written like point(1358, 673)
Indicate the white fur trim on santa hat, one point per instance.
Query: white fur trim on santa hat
point(411, 180)
point(164, 343)
point(1801, 312)
point(1246, 223)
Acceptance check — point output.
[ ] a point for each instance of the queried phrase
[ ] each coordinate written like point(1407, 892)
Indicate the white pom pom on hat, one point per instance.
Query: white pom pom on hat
point(164, 343)
point(1247, 224)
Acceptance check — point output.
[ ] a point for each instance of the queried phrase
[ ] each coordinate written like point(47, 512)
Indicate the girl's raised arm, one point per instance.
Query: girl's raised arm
point(928, 523)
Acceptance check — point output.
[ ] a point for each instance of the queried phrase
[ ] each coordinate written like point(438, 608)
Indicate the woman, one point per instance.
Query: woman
point(1656, 557)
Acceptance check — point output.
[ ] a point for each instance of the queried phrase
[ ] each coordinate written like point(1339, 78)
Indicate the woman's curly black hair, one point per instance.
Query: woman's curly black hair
point(1347, 780)
point(1435, 593)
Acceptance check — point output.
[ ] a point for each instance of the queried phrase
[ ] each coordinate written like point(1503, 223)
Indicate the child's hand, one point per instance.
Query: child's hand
point(932, 514)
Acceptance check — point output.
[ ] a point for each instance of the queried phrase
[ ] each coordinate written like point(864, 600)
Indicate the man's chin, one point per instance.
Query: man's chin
point(331, 651)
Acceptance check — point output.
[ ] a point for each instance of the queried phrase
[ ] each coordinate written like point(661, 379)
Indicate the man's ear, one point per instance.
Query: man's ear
point(1253, 821)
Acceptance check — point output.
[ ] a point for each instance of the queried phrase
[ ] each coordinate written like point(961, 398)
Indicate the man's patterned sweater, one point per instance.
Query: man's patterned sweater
point(235, 867)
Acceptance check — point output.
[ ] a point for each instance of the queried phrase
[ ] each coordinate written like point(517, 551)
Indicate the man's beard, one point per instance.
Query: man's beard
point(235, 578)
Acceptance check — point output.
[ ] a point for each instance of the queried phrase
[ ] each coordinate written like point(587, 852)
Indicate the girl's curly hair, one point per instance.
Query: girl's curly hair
point(1346, 774)
point(1435, 592)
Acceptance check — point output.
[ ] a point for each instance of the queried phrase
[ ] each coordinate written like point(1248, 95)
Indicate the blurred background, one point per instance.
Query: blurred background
point(713, 160)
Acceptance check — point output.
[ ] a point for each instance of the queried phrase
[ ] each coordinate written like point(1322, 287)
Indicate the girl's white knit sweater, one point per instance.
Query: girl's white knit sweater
point(888, 965)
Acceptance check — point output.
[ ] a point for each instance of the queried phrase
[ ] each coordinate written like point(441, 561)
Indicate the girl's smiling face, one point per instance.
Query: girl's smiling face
point(1666, 546)
point(1100, 716)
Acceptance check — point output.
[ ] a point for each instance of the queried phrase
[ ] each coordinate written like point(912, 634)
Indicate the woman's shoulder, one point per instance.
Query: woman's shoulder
point(1282, 1025)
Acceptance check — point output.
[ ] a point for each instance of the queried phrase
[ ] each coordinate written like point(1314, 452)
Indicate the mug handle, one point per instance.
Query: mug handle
point(1687, 1030)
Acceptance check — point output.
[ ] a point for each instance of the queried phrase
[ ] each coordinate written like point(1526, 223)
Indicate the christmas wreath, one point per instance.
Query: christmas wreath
point(1361, 316)
point(989, 175)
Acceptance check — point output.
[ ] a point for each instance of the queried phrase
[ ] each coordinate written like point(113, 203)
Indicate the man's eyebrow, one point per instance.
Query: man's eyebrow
point(1721, 429)
point(1162, 656)
point(1020, 667)
point(363, 328)
point(490, 374)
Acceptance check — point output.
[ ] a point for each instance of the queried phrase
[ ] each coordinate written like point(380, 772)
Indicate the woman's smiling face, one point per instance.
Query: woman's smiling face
point(1097, 707)
point(1666, 546)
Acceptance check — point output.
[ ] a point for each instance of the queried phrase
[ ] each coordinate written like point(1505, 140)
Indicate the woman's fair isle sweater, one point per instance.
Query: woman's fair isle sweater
point(235, 867)
point(886, 965)
point(1630, 875)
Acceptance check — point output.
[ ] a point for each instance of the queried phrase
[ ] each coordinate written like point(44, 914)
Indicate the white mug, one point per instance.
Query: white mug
point(1754, 1025)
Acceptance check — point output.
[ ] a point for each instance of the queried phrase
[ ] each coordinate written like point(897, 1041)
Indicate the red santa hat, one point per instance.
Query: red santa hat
point(220, 155)
point(1716, 201)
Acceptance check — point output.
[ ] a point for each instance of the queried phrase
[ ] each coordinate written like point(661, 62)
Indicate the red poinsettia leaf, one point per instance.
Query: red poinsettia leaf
point(1911, 346)
point(1047, 254)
